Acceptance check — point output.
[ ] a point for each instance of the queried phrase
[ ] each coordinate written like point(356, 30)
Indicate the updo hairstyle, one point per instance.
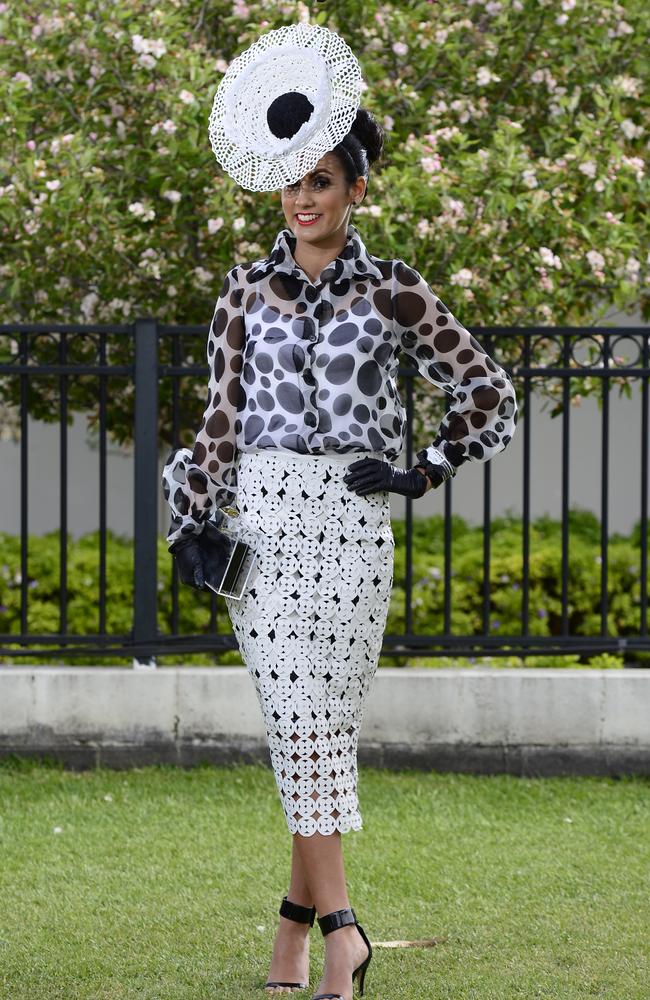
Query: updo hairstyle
point(361, 147)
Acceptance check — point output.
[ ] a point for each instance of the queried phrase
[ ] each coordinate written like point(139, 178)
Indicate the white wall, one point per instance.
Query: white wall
point(43, 482)
point(526, 721)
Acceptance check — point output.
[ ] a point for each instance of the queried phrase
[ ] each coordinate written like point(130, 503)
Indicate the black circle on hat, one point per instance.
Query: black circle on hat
point(288, 113)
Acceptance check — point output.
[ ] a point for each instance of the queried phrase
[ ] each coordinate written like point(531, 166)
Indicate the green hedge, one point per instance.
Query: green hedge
point(506, 575)
point(428, 589)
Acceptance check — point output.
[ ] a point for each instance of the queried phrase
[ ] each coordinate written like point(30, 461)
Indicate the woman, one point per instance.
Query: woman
point(302, 424)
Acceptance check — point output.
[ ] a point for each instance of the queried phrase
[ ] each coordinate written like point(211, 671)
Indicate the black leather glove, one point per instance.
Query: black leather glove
point(370, 474)
point(189, 560)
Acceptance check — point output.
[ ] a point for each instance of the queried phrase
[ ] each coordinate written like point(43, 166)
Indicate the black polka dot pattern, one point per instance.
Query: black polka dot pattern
point(309, 368)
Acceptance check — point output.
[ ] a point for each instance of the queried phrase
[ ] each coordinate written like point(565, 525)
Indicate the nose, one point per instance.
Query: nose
point(298, 204)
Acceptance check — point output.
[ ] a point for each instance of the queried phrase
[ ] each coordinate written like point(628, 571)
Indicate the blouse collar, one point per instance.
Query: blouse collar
point(354, 261)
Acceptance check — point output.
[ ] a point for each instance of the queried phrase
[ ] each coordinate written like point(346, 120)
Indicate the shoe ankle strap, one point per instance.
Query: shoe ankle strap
point(294, 911)
point(337, 918)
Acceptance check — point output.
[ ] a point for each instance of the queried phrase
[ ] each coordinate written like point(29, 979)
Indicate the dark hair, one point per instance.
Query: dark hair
point(361, 147)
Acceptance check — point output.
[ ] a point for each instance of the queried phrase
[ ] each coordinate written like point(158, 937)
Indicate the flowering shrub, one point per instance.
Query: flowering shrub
point(513, 176)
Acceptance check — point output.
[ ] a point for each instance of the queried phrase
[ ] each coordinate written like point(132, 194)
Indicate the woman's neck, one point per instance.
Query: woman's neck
point(313, 259)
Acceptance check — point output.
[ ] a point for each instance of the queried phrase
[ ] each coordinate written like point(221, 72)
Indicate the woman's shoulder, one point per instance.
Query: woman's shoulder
point(396, 269)
point(238, 273)
point(405, 271)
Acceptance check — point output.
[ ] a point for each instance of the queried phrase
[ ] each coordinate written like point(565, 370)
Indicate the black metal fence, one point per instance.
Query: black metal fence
point(142, 344)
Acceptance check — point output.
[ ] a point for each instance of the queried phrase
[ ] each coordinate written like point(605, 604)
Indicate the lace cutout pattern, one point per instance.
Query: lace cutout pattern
point(311, 623)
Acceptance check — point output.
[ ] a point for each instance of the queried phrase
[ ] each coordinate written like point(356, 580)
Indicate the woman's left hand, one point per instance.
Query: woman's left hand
point(371, 474)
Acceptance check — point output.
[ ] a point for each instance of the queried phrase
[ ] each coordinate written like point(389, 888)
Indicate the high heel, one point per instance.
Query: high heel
point(302, 915)
point(331, 922)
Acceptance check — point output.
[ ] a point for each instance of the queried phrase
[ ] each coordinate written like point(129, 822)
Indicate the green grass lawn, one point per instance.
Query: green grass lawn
point(165, 883)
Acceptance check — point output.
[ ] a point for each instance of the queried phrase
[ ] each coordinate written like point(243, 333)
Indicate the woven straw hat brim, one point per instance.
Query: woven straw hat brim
point(304, 76)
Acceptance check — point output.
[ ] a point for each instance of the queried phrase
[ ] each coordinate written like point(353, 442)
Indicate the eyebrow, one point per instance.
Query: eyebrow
point(321, 170)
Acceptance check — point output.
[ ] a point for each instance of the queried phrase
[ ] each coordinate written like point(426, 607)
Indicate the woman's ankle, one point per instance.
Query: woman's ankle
point(298, 930)
point(343, 938)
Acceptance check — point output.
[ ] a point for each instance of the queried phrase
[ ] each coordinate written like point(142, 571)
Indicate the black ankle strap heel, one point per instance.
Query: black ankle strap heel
point(301, 915)
point(331, 922)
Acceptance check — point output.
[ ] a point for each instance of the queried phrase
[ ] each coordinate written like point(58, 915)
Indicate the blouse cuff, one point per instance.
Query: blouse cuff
point(453, 451)
point(191, 494)
point(436, 466)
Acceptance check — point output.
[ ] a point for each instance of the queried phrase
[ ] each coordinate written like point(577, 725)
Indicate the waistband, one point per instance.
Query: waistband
point(289, 456)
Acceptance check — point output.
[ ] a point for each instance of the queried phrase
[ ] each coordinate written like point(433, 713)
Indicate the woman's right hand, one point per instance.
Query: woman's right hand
point(187, 553)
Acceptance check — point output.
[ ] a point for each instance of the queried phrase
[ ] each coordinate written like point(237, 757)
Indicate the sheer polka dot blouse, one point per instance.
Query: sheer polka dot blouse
point(310, 367)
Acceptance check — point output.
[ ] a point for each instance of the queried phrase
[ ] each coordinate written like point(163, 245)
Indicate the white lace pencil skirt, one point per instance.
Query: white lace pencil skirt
point(310, 625)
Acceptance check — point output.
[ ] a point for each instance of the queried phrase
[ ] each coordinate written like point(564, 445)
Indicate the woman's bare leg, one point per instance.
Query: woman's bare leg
point(298, 888)
point(322, 860)
point(317, 879)
point(290, 961)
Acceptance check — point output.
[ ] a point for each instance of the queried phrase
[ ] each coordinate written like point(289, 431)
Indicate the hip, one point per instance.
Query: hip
point(297, 492)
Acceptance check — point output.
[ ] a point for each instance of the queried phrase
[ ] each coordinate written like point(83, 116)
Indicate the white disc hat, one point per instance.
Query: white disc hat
point(282, 104)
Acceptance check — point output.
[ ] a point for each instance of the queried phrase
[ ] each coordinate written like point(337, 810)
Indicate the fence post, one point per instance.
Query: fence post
point(145, 479)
